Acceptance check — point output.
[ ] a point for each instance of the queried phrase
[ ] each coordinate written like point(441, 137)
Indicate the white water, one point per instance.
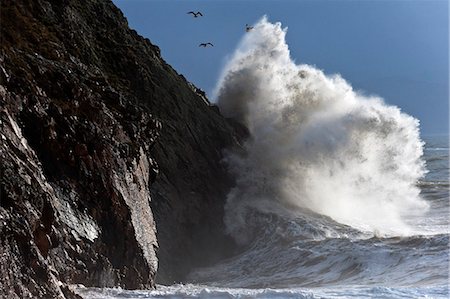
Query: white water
point(198, 291)
point(315, 142)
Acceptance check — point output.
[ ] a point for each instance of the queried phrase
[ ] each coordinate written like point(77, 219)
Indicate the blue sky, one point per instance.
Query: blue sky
point(397, 49)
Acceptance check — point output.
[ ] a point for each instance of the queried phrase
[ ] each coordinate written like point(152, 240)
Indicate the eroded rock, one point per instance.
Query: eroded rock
point(102, 142)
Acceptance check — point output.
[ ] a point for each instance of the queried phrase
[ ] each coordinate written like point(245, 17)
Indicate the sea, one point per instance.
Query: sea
point(337, 194)
point(312, 256)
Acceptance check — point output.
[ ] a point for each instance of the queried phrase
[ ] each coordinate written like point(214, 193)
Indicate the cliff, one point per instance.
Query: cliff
point(110, 160)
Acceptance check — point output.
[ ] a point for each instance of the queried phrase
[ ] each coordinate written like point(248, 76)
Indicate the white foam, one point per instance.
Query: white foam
point(315, 142)
point(201, 291)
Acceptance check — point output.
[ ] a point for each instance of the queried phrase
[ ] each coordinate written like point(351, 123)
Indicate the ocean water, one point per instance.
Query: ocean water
point(305, 255)
point(336, 196)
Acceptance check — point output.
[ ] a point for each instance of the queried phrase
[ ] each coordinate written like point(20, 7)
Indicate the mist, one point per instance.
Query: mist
point(315, 143)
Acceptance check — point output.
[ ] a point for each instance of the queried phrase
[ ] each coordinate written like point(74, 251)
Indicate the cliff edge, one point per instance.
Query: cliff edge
point(110, 160)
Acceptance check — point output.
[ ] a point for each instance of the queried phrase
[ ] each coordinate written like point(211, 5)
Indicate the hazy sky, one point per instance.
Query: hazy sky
point(395, 49)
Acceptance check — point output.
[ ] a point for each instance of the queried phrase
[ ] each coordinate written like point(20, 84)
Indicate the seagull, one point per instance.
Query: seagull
point(248, 27)
point(195, 14)
point(204, 45)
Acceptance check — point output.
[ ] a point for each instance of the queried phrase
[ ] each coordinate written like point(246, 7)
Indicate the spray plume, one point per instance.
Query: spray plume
point(315, 143)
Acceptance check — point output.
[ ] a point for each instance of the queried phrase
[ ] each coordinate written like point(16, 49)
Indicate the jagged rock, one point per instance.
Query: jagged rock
point(100, 139)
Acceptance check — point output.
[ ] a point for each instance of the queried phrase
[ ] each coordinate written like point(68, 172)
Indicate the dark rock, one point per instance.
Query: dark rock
point(98, 136)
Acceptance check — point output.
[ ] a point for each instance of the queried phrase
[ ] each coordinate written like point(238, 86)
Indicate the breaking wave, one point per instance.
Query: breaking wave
point(327, 199)
point(315, 143)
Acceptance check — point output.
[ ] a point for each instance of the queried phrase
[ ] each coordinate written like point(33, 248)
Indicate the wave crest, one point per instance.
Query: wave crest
point(315, 142)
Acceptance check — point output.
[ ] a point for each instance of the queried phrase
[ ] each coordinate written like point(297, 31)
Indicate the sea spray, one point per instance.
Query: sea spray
point(315, 143)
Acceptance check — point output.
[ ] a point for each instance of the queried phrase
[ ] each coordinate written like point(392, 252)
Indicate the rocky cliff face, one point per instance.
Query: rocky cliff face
point(100, 139)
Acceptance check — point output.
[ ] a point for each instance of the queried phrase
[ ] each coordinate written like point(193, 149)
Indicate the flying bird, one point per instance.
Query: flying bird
point(195, 14)
point(248, 27)
point(204, 45)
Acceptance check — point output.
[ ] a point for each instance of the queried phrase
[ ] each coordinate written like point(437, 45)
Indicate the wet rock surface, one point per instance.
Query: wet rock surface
point(110, 160)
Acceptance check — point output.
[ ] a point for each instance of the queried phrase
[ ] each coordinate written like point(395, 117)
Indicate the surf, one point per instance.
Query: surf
point(315, 143)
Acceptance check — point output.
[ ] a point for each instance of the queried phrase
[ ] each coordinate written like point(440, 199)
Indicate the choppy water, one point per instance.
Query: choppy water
point(306, 255)
point(337, 196)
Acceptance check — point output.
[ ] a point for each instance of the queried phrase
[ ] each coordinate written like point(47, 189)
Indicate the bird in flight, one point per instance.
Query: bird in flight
point(195, 14)
point(248, 27)
point(204, 45)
